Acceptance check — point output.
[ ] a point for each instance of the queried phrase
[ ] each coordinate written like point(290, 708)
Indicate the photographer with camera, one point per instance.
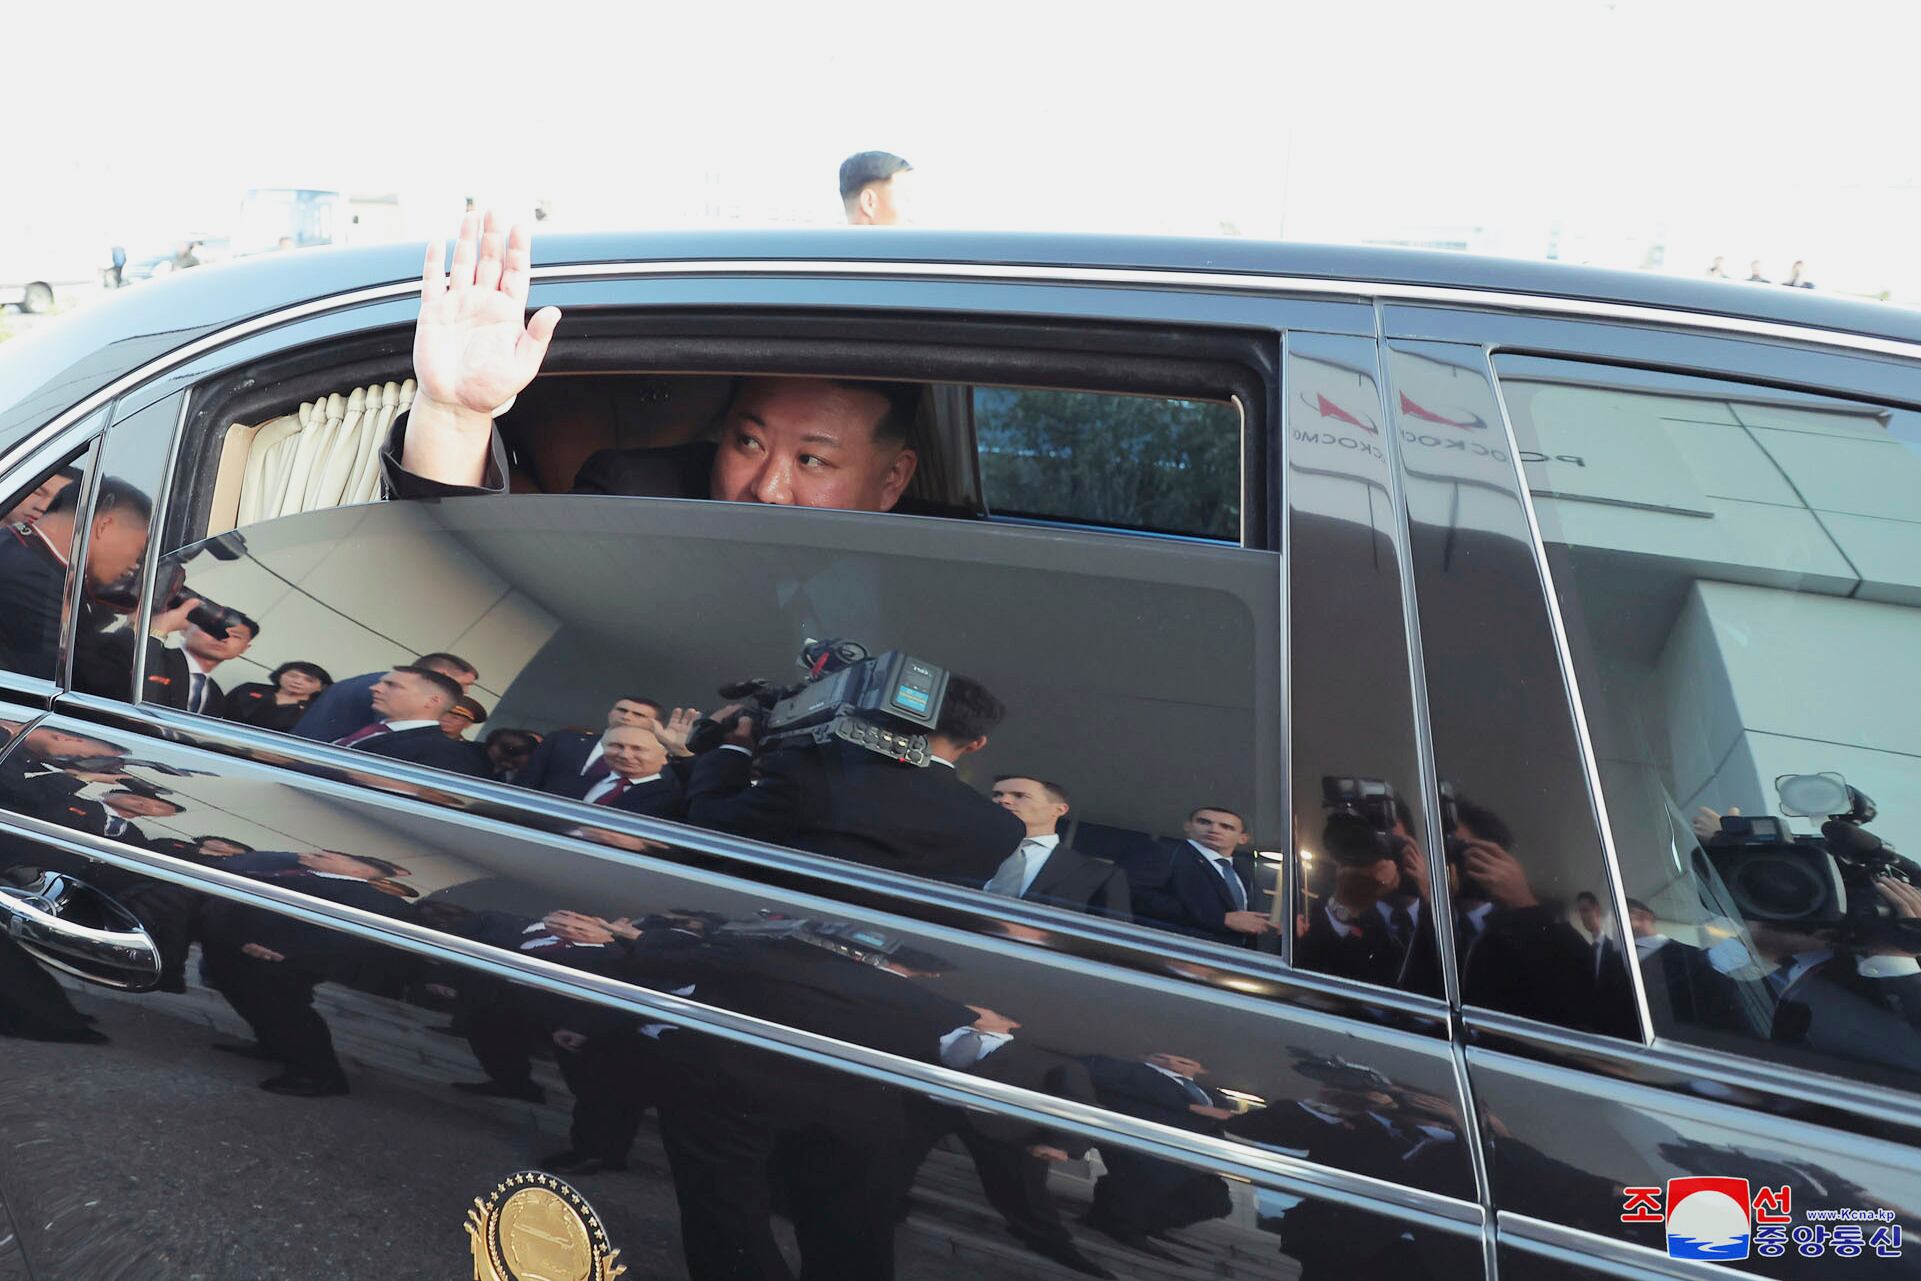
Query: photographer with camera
point(210, 635)
point(1373, 923)
point(33, 581)
point(1833, 921)
point(845, 801)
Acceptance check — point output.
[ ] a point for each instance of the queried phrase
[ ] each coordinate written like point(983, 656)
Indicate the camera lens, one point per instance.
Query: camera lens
point(1777, 889)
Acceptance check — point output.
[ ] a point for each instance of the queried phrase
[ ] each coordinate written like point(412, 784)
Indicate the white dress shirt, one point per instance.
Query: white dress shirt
point(1032, 855)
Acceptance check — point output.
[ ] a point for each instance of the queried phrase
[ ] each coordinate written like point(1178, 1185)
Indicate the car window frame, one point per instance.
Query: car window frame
point(1260, 314)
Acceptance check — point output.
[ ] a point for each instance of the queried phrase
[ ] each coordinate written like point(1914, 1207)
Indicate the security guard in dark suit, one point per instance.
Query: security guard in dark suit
point(1042, 869)
point(267, 965)
point(408, 702)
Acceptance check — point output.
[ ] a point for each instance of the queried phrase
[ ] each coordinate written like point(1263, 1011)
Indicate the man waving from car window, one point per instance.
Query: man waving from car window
point(808, 442)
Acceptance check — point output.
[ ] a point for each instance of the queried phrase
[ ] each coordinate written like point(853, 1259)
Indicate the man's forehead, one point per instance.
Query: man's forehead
point(817, 407)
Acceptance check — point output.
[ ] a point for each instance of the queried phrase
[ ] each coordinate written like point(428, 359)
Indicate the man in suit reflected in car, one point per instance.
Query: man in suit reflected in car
point(1042, 869)
point(408, 702)
point(267, 965)
point(1141, 1196)
point(847, 802)
point(1205, 884)
point(636, 778)
point(568, 755)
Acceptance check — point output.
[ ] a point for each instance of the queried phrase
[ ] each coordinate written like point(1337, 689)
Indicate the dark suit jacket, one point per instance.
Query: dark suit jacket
point(93, 818)
point(1188, 895)
point(662, 798)
point(1132, 1087)
point(32, 583)
point(341, 708)
point(846, 802)
point(1033, 1068)
point(1686, 991)
point(1372, 956)
point(426, 745)
point(170, 680)
point(557, 761)
point(1074, 880)
point(316, 950)
point(254, 704)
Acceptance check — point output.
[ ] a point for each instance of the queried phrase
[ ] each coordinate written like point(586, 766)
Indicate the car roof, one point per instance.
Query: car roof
point(88, 348)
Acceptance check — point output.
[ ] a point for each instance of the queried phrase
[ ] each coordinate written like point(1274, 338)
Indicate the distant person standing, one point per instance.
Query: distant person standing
point(184, 256)
point(1795, 279)
point(1716, 269)
point(874, 189)
point(116, 274)
point(1754, 274)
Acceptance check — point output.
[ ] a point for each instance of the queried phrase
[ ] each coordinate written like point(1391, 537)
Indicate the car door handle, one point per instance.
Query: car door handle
point(76, 929)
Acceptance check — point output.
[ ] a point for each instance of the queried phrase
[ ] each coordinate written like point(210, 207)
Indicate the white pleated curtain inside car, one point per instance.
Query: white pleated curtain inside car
point(325, 455)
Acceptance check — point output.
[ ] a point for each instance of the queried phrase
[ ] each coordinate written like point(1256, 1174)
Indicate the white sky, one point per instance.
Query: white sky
point(1738, 129)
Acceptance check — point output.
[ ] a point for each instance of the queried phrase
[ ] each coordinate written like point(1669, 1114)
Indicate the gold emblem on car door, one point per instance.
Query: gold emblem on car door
point(535, 1228)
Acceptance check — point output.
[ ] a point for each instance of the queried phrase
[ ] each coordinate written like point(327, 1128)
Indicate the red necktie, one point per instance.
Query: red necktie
point(612, 794)
point(598, 770)
point(365, 731)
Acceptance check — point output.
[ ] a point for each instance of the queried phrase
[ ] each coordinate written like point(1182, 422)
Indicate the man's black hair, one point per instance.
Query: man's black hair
point(253, 627)
point(969, 711)
point(1484, 822)
point(1054, 790)
point(301, 665)
point(654, 703)
point(116, 497)
point(451, 660)
point(1587, 896)
point(1636, 905)
point(244, 847)
point(527, 738)
point(896, 421)
point(1219, 809)
point(864, 167)
point(440, 681)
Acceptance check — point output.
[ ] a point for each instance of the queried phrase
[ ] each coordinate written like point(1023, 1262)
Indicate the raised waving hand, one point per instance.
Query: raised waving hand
point(474, 348)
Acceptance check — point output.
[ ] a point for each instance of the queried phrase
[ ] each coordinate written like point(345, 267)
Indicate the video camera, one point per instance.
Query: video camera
point(883, 703)
point(1361, 818)
point(1814, 882)
point(170, 588)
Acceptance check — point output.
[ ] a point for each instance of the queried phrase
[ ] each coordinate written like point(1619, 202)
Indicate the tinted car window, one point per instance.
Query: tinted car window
point(42, 522)
point(1123, 683)
point(1525, 867)
point(1139, 462)
point(1364, 907)
point(1737, 570)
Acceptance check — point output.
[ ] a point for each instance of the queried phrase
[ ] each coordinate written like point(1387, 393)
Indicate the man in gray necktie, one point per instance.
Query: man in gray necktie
point(1043, 869)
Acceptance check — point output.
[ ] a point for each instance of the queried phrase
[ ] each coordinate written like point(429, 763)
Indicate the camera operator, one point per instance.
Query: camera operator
point(183, 677)
point(1374, 924)
point(1844, 998)
point(1517, 951)
point(847, 802)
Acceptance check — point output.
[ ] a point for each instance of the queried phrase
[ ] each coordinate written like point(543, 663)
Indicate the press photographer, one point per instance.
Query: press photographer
point(857, 763)
point(1371, 921)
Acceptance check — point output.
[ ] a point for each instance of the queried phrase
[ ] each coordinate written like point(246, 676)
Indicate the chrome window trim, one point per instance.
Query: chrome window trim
point(1590, 763)
point(1526, 1040)
point(1299, 286)
point(1287, 1174)
point(1592, 1252)
point(150, 563)
point(1201, 970)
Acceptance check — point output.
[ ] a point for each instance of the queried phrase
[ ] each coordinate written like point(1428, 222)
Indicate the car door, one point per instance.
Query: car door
point(735, 1031)
point(1721, 523)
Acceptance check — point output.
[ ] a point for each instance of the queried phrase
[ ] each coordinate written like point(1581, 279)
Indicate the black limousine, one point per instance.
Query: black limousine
point(856, 755)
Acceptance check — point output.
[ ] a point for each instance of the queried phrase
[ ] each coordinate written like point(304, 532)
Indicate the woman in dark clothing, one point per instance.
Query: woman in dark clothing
point(279, 702)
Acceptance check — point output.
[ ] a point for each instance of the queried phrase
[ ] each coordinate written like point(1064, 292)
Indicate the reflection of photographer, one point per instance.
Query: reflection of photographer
point(1834, 919)
point(1370, 920)
point(183, 677)
point(844, 800)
